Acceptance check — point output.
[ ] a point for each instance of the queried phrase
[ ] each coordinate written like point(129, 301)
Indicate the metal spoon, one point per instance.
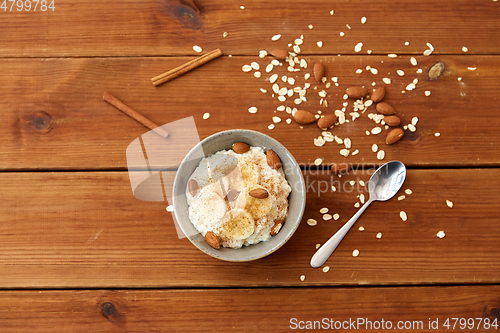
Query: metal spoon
point(383, 185)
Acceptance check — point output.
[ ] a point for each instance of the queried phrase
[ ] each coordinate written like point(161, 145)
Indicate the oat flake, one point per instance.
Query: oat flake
point(276, 37)
point(197, 48)
point(379, 235)
point(271, 126)
point(386, 80)
point(358, 47)
point(408, 191)
point(323, 210)
point(392, 55)
point(170, 208)
point(302, 277)
point(326, 269)
point(374, 148)
point(400, 72)
point(355, 253)
point(361, 228)
point(320, 44)
point(206, 115)
point(327, 217)
point(276, 119)
point(246, 68)
point(252, 109)
point(401, 197)
point(449, 203)
point(441, 234)
point(318, 161)
point(403, 215)
point(336, 216)
point(318, 246)
point(356, 205)
point(437, 134)
point(312, 222)
point(465, 49)
point(427, 93)
point(413, 61)
point(381, 155)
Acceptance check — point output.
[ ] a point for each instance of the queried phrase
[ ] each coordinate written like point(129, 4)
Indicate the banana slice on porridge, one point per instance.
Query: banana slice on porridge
point(237, 224)
point(257, 206)
point(209, 207)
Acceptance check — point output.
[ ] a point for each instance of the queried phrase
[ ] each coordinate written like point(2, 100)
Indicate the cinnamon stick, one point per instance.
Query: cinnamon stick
point(134, 114)
point(178, 71)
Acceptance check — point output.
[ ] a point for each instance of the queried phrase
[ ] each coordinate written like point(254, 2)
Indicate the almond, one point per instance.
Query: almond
point(304, 117)
point(279, 54)
point(356, 92)
point(392, 120)
point(319, 71)
point(240, 147)
point(212, 240)
point(340, 168)
point(273, 160)
point(385, 108)
point(394, 136)
point(193, 187)
point(259, 193)
point(327, 121)
point(277, 227)
point(378, 94)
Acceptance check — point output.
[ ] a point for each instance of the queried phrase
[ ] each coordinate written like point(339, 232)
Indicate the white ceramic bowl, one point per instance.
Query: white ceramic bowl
point(224, 140)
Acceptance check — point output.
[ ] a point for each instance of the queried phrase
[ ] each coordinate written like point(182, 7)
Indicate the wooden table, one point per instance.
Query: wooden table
point(79, 253)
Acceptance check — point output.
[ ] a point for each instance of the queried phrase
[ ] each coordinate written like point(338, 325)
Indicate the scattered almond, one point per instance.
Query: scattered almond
point(356, 92)
point(327, 121)
point(304, 117)
point(378, 94)
point(394, 136)
point(385, 108)
point(212, 240)
point(319, 71)
point(392, 120)
point(193, 187)
point(273, 160)
point(240, 147)
point(279, 54)
point(277, 227)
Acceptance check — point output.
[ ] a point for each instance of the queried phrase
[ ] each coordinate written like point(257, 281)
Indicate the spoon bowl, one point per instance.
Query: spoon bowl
point(383, 185)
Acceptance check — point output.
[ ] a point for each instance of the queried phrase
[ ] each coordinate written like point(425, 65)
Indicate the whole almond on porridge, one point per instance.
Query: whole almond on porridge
point(212, 240)
point(279, 54)
point(356, 92)
point(392, 120)
point(273, 159)
point(304, 117)
point(240, 147)
point(394, 136)
point(259, 193)
point(277, 227)
point(193, 187)
point(385, 108)
point(327, 121)
point(378, 94)
point(340, 168)
point(319, 71)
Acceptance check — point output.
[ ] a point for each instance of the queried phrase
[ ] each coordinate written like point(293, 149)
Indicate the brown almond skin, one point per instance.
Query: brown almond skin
point(304, 117)
point(277, 227)
point(356, 92)
point(273, 160)
point(259, 193)
point(319, 71)
point(212, 240)
point(392, 120)
point(385, 108)
point(240, 147)
point(279, 54)
point(340, 168)
point(327, 121)
point(394, 136)
point(193, 187)
point(378, 94)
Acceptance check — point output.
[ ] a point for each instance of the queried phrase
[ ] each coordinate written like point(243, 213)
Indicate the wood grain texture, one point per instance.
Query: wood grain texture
point(55, 118)
point(172, 27)
point(248, 310)
point(84, 229)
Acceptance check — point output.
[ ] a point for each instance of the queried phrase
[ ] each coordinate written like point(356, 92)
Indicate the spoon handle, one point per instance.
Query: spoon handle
point(324, 252)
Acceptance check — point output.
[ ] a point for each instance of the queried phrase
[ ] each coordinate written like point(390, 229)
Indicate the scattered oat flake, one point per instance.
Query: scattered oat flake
point(407, 43)
point(252, 109)
point(320, 44)
point(356, 152)
point(379, 235)
point(437, 134)
point(342, 34)
point(276, 37)
point(386, 80)
point(374, 71)
point(363, 20)
point(449, 203)
point(323, 210)
point(403, 215)
point(197, 48)
point(170, 208)
point(465, 49)
point(381, 155)
point(257, 74)
point(332, 12)
point(289, 121)
point(412, 127)
point(334, 189)
point(361, 228)
point(362, 198)
point(356, 205)
point(318, 161)
point(276, 119)
point(352, 182)
point(262, 53)
point(459, 79)
point(400, 72)
point(355, 253)
point(358, 47)
point(271, 126)
point(225, 34)
point(318, 246)
point(441, 234)
point(359, 71)
point(206, 115)
point(408, 191)
point(312, 222)
point(413, 61)
point(392, 55)
point(336, 216)
point(344, 152)
point(327, 217)
point(427, 52)
point(414, 121)
point(410, 87)
point(326, 269)
point(374, 148)
point(401, 197)
point(376, 130)
point(302, 277)
point(362, 183)
point(427, 93)
point(472, 68)
point(246, 68)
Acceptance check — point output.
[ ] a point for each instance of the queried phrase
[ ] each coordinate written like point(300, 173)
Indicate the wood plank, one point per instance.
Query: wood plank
point(249, 310)
point(54, 107)
point(154, 28)
point(85, 229)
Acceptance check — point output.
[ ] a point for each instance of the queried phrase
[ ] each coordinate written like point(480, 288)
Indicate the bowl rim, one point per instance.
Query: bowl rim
point(296, 168)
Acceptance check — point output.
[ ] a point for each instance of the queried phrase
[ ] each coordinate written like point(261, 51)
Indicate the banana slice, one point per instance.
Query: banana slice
point(256, 207)
point(245, 174)
point(209, 207)
point(237, 225)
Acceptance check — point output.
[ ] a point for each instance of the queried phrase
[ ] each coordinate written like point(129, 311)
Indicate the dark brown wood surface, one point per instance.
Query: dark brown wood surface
point(249, 310)
point(79, 253)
